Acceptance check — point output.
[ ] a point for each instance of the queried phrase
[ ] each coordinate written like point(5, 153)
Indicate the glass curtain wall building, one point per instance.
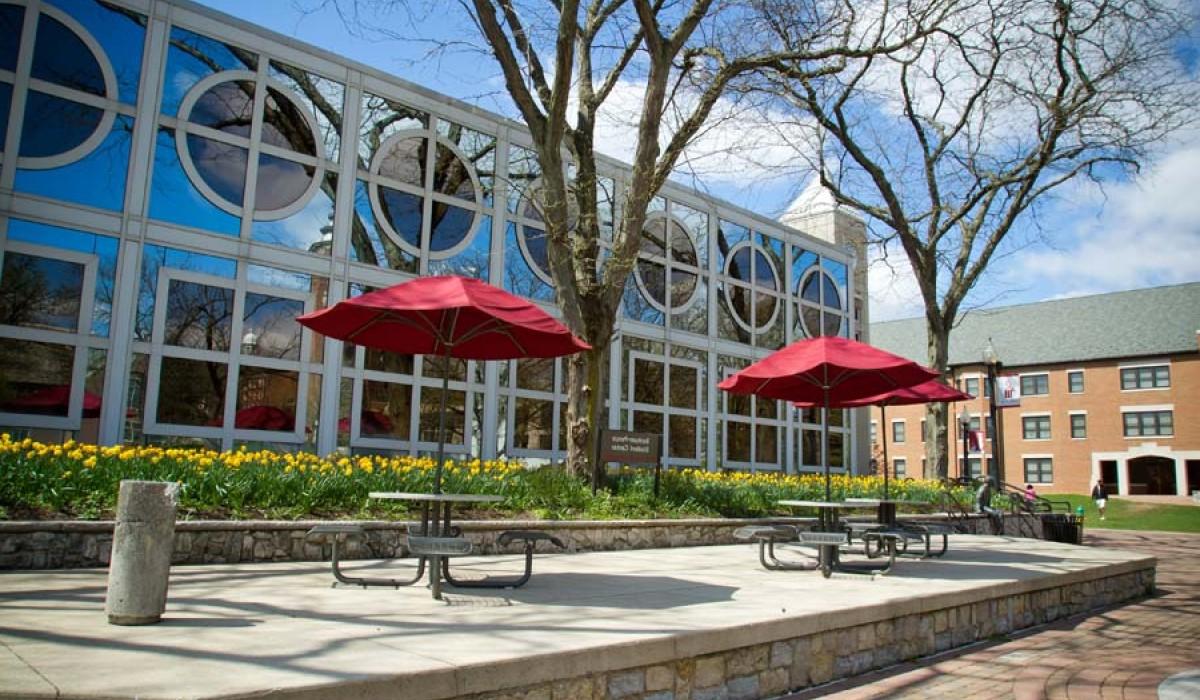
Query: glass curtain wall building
point(177, 186)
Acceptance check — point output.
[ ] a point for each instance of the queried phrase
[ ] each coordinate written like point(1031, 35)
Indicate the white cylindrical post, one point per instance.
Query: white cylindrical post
point(143, 540)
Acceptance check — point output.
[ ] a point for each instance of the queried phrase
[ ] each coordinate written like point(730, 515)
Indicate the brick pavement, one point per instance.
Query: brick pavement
point(1123, 652)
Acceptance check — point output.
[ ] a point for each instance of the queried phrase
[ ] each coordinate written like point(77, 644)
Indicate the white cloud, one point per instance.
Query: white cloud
point(1146, 234)
point(892, 289)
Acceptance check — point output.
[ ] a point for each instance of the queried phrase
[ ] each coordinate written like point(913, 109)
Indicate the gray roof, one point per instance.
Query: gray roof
point(1155, 321)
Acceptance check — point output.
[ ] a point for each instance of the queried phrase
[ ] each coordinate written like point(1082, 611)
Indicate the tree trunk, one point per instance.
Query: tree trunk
point(584, 374)
point(936, 424)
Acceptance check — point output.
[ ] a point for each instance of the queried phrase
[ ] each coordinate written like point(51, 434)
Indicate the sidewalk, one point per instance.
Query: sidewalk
point(1125, 652)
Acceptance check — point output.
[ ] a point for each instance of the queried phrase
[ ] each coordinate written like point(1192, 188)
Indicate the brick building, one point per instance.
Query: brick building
point(1109, 384)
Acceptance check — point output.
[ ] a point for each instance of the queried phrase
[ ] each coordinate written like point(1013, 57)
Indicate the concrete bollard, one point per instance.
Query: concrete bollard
point(143, 541)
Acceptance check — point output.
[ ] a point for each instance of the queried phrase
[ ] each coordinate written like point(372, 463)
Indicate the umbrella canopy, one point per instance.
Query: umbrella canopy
point(53, 400)
point(449, 316)
point(830, 372)
point(932, 391)
point(263, 418)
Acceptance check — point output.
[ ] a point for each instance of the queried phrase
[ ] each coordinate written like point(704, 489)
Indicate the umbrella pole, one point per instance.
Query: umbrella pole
point(825, 444)
point(883, 427)
point(441, 451)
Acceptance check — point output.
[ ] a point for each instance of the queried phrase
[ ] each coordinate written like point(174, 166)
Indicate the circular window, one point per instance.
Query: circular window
point(398, 188)
point(752, 287)
point(214, 144)
point(820, 304)
point(66, 126)
point(667, 264)
point(531, 228)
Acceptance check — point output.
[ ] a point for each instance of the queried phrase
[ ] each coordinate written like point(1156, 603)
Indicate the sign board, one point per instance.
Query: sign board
point(1008, 390)
point(629, 448)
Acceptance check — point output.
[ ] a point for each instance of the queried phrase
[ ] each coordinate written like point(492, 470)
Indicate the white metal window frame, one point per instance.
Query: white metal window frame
point(555, 397)
point(665, 409)
point(80, 339)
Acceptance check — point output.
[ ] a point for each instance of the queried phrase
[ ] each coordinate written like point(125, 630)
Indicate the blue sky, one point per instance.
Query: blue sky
point(1088, 240)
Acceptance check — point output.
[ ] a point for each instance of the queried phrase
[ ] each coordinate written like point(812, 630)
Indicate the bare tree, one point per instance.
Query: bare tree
point(561, 61)
point(948, 144)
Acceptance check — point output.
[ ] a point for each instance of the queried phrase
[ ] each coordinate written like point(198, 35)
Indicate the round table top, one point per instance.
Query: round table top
point(437, 497)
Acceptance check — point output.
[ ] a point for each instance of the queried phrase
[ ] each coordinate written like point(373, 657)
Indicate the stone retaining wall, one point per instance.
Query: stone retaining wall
point(773, 668)
point(82, 544)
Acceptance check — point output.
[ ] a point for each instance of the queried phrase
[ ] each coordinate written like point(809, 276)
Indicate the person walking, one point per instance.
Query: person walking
point(1100, 496)
point(1030, 494)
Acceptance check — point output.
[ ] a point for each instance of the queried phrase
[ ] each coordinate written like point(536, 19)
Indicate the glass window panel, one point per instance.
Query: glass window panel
point(1075, 382)
point(898, 432)
point(321, 97)
point(683, 287)
point(193, 57)
point(35, 378)
point(12, 17)
point(831, 324)
point(479, 150)
point(39, 292)
point(451, 225)
point(269, 326)
point(810, 318)
point(683, 386)
point(648, 422)
point(534, 427)
point(404, 161)
point(1078, 425)
point(266, 399)
point(648, 381)
point(653, 276)
point(740, 265)
point(837, 273)
point(54, 125)
point(5, 107)
point(456, 415)
point(61, 57)
point(222, 166)
point(381, 118)
point(766, 408)
point(309, 229)
point(174, 198)
point(765, 446)
point(810, 450)
point(198, 316)
point(654, 239)
point(536, 374)
point(384, 361)
point(386, 410)
point(451, 175)
point(831, 297)
point(368, 244)
point(764, 272)
point(728, 236)
point(683, 436)
point(191, 392)
point(737, 404)
point(285, 125)
point(764, 309)
point(402, 212)
point(280, 182)
point(971, 386)
point(437, 367)
point(737, 442)
point(104, 169)
point(227, 107)
point(312, 412)
point(837, 449)
point(1162, 377)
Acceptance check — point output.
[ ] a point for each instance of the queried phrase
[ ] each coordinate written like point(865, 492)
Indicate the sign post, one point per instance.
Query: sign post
point(632, 448)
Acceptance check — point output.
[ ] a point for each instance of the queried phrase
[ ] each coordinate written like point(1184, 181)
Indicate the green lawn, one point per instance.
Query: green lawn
point(1122, 514)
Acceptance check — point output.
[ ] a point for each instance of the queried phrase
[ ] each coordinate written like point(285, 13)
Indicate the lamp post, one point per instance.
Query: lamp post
point(964, 422)
point(249, 343)
point(992, 361)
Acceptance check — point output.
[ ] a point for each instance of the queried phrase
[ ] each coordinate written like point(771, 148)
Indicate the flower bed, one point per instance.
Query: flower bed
point(74, 480)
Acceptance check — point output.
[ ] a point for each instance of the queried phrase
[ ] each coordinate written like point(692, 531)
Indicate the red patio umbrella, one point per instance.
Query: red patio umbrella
point(932, 391)
point(450, 316)
point(263, 418)
point(829, 372)
point(54, 400)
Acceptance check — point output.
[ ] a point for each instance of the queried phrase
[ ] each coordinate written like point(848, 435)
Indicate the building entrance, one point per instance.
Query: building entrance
point(1152, 475)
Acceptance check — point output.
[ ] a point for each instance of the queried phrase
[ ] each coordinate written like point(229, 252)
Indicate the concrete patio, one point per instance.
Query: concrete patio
point(665, 623)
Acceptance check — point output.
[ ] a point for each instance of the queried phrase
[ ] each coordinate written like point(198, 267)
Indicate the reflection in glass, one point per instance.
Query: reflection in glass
point(456, 415)
point(810, 451)
point(683, 437)
point(280, 182)
point(266, 399)
point(54, 125)
point(121, 35)
point(479, 149)
point(191, 392)
point(451, 225)
point(533, 428)
point(222, 166)
point(403, 161)
point(319, 97)
point(386, 409)
point(35, 377)
point(135, 408)
point(61, 57)
point(536, 374)
point(198, 316)
point(684, 383)
point(227, 107)
point(104, 169)
point(311, 228)
point(285, 126)
point(174, 198)
point(810, 318)
point(765, 445)
point(437, 367)
point(154, 258)
point(269, 327)
point(12, 17)
point(764, 310)
point(519, 276)
point(381, 118)
point(402, 213)
point(39, 292)
point(368, 244)
point(473, 260)
point(5, 108)
point(737, 442)
point(832, 324)
point(383, 361)
point(837, 450)
point(766, 408)
point(451, 175)
point(648, 422)
point(193, 57)
point(648, 381)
